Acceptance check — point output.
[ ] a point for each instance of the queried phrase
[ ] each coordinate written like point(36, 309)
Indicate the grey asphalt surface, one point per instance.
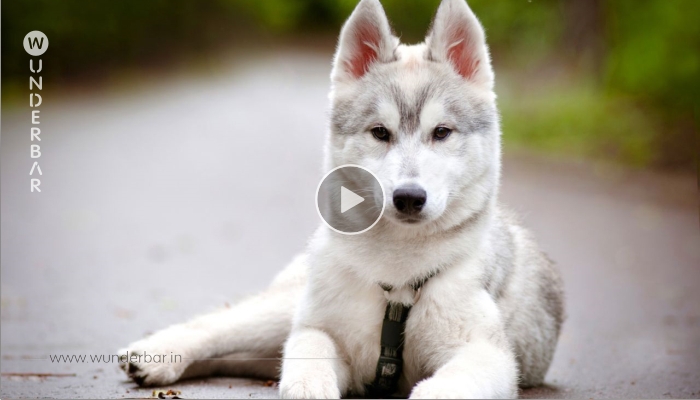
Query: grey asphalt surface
point(169, 200)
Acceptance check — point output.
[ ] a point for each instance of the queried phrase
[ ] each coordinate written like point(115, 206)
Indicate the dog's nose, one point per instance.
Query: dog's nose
point(410, 199)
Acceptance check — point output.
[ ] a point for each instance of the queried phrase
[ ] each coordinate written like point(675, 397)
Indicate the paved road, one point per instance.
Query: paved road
point(171, 200)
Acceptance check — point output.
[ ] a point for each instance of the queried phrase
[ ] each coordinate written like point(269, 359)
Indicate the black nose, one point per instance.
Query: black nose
point(410, 199)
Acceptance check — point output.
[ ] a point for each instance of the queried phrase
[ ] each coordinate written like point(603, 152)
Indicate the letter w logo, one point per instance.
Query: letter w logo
point(33, 41)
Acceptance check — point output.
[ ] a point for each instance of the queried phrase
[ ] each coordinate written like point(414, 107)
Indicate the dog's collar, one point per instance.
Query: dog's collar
point(390, 363)
point(416, 285)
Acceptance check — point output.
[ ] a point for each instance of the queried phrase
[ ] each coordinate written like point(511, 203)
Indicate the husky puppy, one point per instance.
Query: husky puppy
point(423, 118)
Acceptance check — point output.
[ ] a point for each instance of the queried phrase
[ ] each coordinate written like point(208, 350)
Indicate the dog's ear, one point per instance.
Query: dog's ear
point(366, 38)
point(458, 38)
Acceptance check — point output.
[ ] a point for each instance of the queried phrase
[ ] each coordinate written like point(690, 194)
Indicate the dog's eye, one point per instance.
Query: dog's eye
point(441, 133)
point(381, 133)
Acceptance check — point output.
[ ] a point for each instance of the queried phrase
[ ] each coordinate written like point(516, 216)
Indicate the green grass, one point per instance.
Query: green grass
point(575, 117)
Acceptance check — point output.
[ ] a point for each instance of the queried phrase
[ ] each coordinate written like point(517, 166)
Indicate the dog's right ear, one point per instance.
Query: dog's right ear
point(366, 38)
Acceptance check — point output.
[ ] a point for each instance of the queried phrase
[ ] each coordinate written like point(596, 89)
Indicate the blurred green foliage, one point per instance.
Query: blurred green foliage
point(655, 49)
point(614, 79)
point(577, 118)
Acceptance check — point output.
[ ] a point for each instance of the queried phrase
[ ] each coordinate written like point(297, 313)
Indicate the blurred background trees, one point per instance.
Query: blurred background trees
point(608, 79)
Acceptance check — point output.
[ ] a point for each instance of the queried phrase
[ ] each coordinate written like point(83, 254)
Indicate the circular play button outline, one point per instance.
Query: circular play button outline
point(318, 189)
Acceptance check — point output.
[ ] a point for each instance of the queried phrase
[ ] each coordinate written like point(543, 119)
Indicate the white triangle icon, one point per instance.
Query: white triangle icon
point(348, 199)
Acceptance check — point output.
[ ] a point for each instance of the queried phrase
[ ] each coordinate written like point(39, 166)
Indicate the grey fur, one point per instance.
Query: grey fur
point(349, 116)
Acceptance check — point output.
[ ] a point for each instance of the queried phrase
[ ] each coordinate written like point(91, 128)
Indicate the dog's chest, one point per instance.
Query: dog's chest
point(358, 331)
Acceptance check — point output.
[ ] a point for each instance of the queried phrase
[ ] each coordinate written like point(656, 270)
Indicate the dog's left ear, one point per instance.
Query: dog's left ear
point(458, 38)
point(364, 40)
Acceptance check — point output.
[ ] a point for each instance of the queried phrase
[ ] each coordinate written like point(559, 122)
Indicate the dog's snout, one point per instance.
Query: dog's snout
point(410, 199)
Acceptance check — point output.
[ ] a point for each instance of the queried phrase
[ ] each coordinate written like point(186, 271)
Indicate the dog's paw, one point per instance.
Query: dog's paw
point(155, 361)
point(433, 388)
point(443, 388)
point(310, 387)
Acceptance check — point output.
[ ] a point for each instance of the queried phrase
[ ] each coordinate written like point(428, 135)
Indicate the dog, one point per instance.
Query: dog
point(486, 305)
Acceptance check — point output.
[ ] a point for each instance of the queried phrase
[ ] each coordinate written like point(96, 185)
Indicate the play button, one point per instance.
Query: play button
point(350, 199)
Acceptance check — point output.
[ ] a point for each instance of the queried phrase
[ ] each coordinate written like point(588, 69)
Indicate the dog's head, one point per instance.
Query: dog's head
point(423, 117)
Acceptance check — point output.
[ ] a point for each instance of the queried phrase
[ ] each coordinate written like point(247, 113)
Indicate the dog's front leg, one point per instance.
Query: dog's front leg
point(478, 369)
point(475, 360)
point(312, 368)
point(257, 327)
